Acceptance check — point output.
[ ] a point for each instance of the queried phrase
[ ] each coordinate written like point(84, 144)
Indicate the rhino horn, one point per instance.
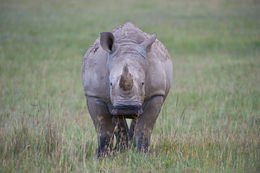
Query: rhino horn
point(126, 80)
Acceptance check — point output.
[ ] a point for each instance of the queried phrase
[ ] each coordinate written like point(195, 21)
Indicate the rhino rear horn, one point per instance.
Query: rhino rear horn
point(148, 42)
point(126, 80)
point(107, 41)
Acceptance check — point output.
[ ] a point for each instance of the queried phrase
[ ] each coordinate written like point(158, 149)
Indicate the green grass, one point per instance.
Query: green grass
point(209, 123)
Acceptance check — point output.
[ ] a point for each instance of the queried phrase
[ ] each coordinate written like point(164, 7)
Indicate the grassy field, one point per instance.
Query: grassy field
point(209, 123)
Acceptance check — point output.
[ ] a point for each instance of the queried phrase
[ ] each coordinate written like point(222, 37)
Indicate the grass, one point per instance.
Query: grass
point(209, 123)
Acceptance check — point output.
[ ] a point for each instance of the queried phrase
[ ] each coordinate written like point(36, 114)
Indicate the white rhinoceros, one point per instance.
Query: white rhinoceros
point(126, 73)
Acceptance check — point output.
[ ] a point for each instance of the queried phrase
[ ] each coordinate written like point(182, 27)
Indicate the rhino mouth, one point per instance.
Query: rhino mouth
point(127, 111)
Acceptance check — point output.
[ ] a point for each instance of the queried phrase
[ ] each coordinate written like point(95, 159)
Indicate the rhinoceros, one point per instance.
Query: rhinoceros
point(126, 73)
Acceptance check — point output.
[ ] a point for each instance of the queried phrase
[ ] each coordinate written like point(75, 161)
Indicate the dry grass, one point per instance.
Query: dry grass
point(209, 123)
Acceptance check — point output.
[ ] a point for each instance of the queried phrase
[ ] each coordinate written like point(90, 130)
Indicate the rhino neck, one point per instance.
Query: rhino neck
point(127, 52)
point(126, 41)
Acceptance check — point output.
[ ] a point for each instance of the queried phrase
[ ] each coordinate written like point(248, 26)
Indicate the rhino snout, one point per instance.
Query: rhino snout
point(127, 111)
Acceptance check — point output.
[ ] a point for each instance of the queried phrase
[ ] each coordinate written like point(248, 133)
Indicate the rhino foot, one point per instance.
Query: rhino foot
point(105, 146)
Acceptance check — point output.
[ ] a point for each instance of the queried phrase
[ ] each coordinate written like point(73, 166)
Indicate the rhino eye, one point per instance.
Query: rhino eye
point(142, 83)
point(110, 83)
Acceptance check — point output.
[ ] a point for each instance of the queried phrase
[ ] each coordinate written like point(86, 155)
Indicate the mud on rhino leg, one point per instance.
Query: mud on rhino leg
point(121, 133)
point(103, 124)
point(145, 123)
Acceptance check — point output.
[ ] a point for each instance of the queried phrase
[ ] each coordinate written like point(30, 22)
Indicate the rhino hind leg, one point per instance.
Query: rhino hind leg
point(132, 130)
point(145, 123)
point(103, 124)
point(121, 133)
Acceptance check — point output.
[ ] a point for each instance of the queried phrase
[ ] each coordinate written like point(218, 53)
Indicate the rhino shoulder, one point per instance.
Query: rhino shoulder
point(94, 72)
point(159, 70)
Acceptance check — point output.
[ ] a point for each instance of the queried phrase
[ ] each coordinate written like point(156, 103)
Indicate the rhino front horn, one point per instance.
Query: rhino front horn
point(126, 80)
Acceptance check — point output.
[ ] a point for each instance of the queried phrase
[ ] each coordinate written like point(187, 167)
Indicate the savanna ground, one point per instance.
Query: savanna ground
point(209, 123)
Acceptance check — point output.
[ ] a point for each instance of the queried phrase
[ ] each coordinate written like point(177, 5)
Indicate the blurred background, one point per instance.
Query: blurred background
point(209, 123)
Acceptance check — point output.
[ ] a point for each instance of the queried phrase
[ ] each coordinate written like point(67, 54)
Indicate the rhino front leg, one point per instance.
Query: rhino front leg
point(145, 123)
point(103, 124)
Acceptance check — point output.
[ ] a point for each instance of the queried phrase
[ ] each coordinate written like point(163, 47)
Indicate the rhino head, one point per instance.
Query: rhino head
point(127, 73)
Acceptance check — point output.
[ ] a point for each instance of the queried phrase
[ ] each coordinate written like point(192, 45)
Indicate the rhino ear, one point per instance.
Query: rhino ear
point(148, 43)
point(107, 41)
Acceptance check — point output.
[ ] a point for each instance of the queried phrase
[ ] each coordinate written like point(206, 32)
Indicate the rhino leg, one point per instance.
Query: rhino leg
point(145, 123)
point(132, 129)
point(121, 133)
point(103, 124)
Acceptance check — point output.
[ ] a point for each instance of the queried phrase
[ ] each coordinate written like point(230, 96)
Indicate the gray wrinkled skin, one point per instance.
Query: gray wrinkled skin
point(125, 67)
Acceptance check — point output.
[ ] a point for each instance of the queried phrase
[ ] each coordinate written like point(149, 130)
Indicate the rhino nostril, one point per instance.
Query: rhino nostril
point(140, 111)
point(114, 112)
